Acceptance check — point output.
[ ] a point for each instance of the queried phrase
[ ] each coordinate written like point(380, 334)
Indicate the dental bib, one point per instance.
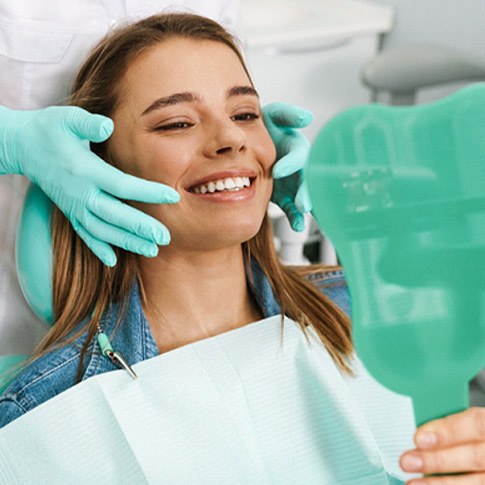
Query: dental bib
point(260, 404)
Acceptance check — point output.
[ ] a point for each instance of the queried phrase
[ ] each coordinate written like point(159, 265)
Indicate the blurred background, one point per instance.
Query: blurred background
point(330, 55)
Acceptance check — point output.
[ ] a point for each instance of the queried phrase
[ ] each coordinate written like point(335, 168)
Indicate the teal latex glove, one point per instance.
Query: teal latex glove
point(51, 148)
point(283, 122)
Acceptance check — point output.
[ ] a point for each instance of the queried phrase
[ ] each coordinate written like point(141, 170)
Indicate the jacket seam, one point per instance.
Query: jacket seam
point(46, 374)
point(12, 398)
point(333, 277)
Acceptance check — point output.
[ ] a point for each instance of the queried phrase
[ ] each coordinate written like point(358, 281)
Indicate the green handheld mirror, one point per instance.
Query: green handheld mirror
point(400, 192)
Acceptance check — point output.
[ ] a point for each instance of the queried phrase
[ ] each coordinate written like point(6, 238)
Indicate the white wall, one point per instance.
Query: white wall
point(454, 23)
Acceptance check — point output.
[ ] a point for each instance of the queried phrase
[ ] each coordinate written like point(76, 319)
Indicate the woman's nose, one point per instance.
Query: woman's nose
point(226, 139)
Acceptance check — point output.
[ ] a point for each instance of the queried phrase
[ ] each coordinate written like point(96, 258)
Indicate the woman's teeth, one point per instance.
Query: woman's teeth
point(231, 184)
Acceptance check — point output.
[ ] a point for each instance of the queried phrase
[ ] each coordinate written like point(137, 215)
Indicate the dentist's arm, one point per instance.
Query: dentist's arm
point(283, 122)
point(51, 148)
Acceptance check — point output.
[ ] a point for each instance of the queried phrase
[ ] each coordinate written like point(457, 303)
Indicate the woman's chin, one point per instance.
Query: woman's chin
point(217, 238)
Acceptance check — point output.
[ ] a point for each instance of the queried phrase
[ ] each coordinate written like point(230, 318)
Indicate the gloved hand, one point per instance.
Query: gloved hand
point(51, 148)
point(292, 149)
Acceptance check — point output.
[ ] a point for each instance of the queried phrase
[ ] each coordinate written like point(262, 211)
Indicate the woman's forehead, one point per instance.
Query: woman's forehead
point(204, 67)
point(180, 63)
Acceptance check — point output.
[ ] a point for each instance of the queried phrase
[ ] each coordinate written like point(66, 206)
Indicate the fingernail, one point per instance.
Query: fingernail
point(109, 260)
point(426, 440)
point(172, 196)
point(306, 116)
point(412, 463)
point(162, 238)
point(150, 251)
point(106, 128)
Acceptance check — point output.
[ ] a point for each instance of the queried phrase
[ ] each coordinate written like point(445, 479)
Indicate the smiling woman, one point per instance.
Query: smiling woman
point(226, 341)
point(186, 113)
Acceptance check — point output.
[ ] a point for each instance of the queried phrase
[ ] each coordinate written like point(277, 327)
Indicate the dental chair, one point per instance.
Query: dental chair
point(403, 70)
point(7, 364)
point(33, 243)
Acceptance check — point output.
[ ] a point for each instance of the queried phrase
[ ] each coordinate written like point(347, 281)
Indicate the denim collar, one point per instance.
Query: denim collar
point(133, 336)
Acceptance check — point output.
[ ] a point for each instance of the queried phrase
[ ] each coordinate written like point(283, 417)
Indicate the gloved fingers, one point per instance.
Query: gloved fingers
point(134, 221)
point(289, 115)
point(117, 236)
point(302, 199)
point(87, 126)
point(294, 155)
point(129, 187)
point(101, 250)
point(295, 217)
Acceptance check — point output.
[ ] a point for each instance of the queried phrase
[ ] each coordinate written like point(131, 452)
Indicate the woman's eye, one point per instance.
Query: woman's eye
point(179, 125)
point(245, 117)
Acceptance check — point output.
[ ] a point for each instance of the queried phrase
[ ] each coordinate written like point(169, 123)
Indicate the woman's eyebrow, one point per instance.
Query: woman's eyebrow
point(171, 100)
point(188, 97)
point(241, 91)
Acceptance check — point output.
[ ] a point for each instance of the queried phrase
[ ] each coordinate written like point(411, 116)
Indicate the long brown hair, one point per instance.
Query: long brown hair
point(83, 287)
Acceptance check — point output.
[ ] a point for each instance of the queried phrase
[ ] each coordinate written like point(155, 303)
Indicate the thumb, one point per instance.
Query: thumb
point(92, 127)
point(288, 115)
point(302, 200)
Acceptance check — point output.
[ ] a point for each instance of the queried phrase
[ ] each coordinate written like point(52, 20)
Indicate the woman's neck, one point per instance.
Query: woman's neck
point(191, 296)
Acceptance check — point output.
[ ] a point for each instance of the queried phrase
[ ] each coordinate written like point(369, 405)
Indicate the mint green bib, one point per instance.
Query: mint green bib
point(244, 407)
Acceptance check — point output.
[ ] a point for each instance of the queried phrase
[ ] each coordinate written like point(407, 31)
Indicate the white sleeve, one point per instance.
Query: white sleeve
point(42, 43)
point(230, 17)
point(225, 12)
point(41, 46)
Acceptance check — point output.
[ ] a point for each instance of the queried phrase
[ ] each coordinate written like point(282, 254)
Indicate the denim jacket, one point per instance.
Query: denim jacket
point(56, 371)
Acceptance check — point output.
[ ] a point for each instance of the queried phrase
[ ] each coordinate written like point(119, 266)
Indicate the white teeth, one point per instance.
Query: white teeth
point(229, 183)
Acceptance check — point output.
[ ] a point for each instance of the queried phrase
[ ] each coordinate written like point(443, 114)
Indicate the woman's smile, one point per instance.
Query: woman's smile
point(226, 186)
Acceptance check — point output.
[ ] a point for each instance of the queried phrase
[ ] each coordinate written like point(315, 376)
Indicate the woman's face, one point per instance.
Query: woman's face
point(188, 117)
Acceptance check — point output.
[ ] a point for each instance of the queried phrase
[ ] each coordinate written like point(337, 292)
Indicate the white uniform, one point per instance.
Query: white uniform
point(42, 43)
